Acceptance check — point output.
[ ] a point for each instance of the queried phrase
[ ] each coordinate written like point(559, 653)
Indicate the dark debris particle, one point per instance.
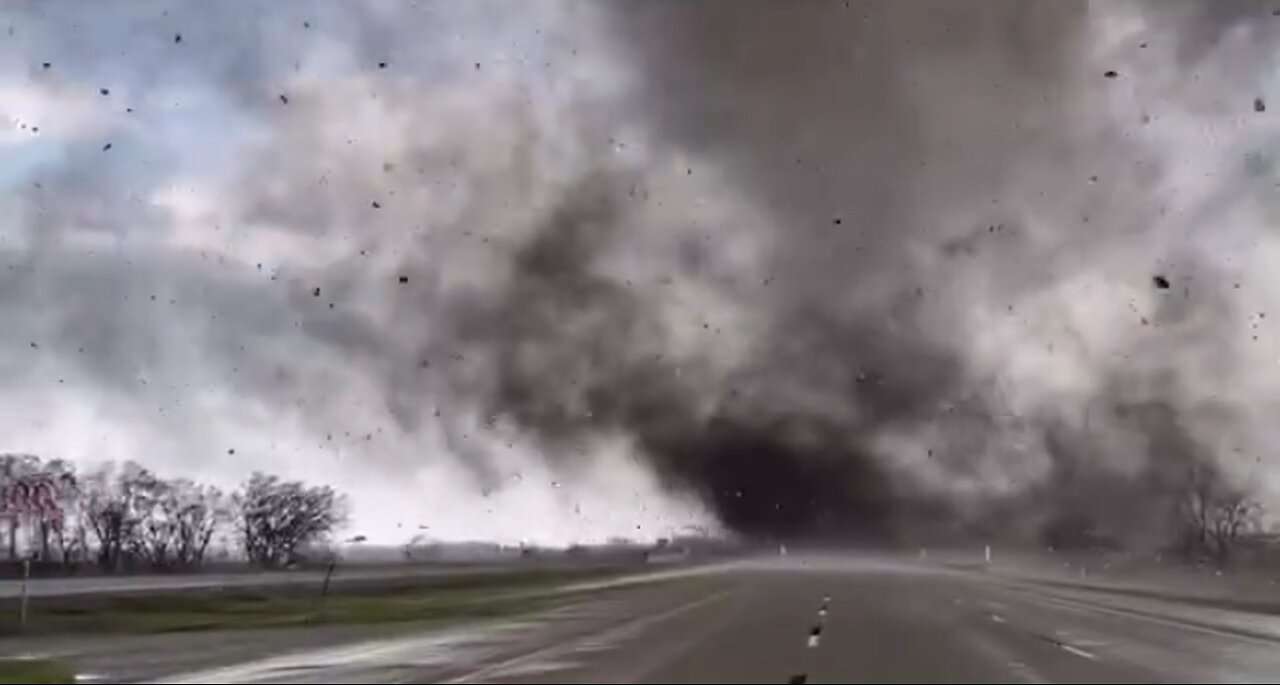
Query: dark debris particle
point(477, 66)
point(375, 205)
point(838, 221)
point(1111, 74)
point(1259, 105)
point(231, 451)
point(104, 91)
point(404, 279)
point(34, 346)
point(47, 65)
point(284, 99)
point(129, 110)
point(316, 292)
point(177, 37)
point(801, 678)
point(1143, 45)
point(382, 65)
point(106, 147)
point(306, 24)
point(1160, 282)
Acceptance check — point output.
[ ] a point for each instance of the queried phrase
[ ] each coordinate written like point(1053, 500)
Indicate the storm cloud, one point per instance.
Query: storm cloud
point(574, 271)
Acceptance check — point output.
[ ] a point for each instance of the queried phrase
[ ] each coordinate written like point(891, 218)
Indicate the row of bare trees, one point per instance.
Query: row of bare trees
point(121, 516)
point(1195, 511)
point(1215, 514)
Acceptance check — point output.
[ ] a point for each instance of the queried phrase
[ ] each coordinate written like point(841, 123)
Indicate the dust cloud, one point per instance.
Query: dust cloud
point(568, 272)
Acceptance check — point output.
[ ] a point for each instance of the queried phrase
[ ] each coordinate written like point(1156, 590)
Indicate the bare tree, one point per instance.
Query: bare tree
point(64, 527)
point(201, 510)
point(1234, 513)
point(70, 535)
point(1215, 514)
point(153, 507)
point(115, 501)
point(278, 518)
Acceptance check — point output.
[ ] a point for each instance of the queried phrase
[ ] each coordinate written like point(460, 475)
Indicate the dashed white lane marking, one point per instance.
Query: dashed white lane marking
point(1079, 652)
point(815, 635)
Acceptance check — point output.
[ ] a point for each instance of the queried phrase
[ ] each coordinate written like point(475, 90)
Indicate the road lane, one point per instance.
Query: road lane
point(882, 625)
point(811, 621)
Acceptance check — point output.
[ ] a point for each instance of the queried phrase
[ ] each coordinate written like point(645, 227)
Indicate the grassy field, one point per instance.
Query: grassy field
point(34, 671)
point(452, 598)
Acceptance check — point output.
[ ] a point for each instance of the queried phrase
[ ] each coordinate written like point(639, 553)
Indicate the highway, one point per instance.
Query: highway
point(816, 620)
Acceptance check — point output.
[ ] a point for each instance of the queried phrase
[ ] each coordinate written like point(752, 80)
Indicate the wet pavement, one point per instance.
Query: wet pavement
point(799, 620)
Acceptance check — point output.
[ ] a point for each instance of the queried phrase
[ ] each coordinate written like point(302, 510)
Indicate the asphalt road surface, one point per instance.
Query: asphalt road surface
point(818, 620)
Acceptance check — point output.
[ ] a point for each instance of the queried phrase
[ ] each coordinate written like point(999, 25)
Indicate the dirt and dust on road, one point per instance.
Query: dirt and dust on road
point(683, 624)
point(143, 636)
point(827, 618)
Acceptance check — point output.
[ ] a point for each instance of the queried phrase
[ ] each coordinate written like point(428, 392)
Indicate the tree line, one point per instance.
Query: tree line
point(121, 516)
point(1195, 512)
point(1215, 515)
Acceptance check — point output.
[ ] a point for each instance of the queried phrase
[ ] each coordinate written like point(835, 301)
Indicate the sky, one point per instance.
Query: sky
point(559, 272)
point(179, 182)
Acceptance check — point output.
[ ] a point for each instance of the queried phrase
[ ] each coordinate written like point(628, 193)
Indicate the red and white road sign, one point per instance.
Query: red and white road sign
point(29, 495)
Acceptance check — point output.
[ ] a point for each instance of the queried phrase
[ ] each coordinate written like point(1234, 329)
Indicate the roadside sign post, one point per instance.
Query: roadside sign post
point(328, 574)
point(35, 498)
point(324, 589)
point(22, 604)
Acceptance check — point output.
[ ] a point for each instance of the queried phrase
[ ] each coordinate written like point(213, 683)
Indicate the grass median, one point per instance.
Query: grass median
point(41, 671)
point(401, 600)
